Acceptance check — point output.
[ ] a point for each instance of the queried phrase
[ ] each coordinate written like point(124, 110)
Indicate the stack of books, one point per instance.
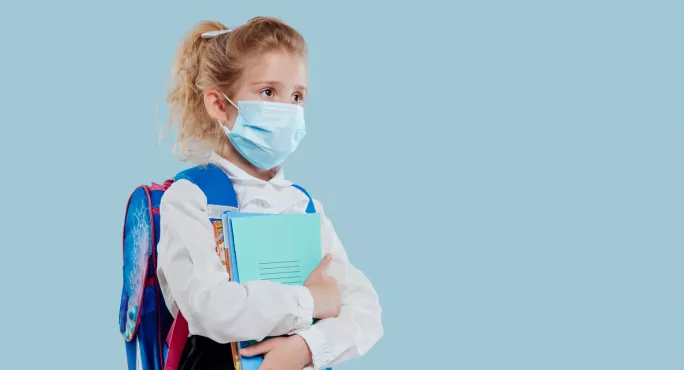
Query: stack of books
point(279, 248)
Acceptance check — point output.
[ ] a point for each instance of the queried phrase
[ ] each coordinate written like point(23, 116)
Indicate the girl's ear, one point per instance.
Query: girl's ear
point(217, 106)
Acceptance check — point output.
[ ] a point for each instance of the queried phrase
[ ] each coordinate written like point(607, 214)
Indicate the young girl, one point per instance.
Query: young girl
point(237, 102)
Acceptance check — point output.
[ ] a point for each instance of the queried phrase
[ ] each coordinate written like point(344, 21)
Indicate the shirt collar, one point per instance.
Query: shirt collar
point(237, 174)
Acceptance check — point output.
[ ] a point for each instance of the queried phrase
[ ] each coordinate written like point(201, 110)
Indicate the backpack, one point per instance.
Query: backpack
point(153, 339)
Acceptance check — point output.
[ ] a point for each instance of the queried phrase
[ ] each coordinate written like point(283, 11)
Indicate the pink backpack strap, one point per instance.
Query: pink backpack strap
point(178, 336)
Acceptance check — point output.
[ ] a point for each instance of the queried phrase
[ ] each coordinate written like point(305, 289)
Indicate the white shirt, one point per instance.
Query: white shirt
point(193, 279)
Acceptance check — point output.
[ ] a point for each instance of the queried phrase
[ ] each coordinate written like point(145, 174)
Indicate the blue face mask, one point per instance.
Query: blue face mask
point(266, 133)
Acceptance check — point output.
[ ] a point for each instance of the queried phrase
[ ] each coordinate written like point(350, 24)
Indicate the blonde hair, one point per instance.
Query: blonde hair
point(218, 63)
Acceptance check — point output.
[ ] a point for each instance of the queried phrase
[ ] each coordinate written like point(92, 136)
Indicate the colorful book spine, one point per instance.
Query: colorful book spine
point(224, 255)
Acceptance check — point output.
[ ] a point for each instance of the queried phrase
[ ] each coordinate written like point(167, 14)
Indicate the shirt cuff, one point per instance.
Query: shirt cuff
point(304, 317)
point(321, 352)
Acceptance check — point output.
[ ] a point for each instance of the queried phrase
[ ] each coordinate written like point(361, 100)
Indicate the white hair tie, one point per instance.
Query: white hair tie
point(212, 34)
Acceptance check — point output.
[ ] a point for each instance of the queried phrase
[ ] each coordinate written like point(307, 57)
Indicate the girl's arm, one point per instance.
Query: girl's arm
point(193, 277)
point(358, 327)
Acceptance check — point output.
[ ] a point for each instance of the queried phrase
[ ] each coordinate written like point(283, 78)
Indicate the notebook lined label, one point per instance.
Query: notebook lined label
point(285, 272)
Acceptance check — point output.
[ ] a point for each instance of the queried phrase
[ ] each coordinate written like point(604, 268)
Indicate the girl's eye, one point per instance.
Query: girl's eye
point(267, 93)
point(297, 98)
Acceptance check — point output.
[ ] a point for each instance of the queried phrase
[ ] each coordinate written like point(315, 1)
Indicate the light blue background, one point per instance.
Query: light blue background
point(508, 174)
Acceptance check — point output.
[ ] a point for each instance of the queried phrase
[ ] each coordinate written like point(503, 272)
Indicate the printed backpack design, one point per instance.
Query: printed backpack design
point(144, 320)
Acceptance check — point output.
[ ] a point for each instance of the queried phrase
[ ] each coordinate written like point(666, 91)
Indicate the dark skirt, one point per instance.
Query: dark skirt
point(202, 353)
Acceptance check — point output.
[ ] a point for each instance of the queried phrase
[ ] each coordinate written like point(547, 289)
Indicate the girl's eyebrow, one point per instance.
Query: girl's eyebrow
point(267, 83)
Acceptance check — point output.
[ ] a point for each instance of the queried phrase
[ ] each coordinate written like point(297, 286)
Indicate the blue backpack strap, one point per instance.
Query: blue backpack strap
point(310, 208)
point(216, 186)
point(219, 190)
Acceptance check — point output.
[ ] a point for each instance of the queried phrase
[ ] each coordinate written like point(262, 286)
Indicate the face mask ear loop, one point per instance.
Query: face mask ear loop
point(229, 101)
point(224, 127)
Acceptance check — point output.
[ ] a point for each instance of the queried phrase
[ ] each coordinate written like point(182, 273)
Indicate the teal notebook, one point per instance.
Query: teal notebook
point(279, 248)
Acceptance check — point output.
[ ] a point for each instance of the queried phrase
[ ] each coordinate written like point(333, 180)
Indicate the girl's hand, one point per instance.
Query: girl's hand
point(324, 290)
point(281, 353)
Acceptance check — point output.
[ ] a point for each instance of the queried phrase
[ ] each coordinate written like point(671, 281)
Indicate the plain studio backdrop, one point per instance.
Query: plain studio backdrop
point(508, 174)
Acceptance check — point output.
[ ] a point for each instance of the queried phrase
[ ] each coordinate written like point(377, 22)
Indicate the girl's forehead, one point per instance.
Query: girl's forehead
point(284, 68)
